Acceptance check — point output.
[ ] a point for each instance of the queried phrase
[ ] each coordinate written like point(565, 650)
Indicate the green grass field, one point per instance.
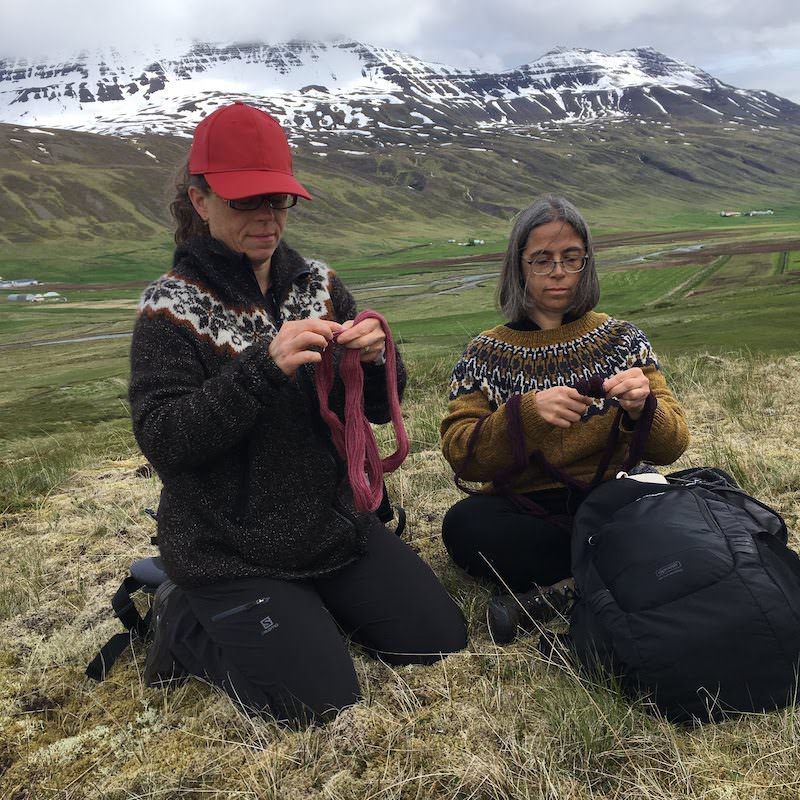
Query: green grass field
point(487, 723)
point(493, 723)
point(65, 404)
point(717, 296)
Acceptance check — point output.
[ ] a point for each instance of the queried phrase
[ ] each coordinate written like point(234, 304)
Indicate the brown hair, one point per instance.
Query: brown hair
point(188, 222)
point(512, 296)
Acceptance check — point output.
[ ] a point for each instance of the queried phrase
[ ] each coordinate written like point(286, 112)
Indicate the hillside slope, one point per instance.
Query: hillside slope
point(488, 722)
point(73, 194)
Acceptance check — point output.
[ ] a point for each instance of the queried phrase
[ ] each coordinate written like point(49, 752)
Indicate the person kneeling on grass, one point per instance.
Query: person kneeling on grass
point(269, 563)
point(530, 415)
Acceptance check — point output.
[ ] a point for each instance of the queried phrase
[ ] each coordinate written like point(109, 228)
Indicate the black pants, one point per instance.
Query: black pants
point(491, 537)
point(276, 646)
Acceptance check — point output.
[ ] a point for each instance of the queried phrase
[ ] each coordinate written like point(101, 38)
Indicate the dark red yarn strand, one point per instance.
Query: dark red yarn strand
point(593, 387)
point(355, 440)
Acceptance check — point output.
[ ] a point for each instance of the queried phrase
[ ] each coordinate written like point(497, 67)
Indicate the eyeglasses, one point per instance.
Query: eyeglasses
point(277, 202)
point(544, 266)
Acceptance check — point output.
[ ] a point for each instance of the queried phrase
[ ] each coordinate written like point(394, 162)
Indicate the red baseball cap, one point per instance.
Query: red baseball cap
point(242, 151)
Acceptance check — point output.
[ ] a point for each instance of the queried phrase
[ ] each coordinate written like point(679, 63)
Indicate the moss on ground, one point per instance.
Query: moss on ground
point(485, 723)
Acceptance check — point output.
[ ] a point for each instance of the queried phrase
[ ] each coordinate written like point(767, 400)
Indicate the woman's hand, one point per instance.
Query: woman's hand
point(301, 342)
point(561, 406)
point(367, 336)
point(631, 389)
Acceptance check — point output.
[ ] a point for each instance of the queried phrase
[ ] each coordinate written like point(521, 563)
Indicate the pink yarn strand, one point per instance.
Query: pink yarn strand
point(355, 440)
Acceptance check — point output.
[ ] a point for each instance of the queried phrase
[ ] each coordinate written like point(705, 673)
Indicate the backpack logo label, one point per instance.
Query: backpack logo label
point(268, 625)
point(668, 570)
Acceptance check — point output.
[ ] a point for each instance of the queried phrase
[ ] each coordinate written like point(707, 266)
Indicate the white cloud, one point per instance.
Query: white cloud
point(742, 42)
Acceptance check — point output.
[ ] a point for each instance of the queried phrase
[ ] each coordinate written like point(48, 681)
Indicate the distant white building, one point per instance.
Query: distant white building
point(766, 212)
point(18, 283)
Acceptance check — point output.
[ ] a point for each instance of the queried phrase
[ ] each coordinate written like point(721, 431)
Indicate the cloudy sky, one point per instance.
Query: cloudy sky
point(753, 44)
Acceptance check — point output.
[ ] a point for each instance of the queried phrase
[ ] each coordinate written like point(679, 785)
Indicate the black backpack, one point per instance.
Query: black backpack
point(688, 594)
point(147, 574)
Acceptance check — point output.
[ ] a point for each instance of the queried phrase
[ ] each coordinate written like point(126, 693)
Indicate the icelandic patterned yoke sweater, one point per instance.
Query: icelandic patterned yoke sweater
point(503, 362)
point(252, 485)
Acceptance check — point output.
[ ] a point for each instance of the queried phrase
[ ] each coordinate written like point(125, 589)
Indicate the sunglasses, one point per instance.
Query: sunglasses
point(277, 202)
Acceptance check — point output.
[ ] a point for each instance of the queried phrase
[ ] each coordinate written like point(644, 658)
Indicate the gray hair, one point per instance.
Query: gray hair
point(512, 298)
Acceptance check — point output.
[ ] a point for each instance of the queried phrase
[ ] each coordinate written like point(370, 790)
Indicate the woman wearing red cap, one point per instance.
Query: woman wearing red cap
point(269, 563)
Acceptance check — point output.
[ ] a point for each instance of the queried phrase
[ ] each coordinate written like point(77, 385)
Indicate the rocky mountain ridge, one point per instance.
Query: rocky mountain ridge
point(329, 88)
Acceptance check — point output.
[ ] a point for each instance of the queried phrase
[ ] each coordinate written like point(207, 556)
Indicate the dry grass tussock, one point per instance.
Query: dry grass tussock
point(486, 723)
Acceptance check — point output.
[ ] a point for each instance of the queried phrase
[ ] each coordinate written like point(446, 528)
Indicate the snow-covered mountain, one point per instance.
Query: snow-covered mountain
point(316, 88)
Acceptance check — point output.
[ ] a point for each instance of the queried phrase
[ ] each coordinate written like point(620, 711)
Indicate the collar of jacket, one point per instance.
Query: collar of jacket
point(230, 274)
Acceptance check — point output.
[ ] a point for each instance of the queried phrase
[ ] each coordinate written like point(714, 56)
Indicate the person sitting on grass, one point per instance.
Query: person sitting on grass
point(270, 566)
point(532, 416)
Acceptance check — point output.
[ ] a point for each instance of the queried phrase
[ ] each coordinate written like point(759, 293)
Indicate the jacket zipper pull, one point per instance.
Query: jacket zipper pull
point(239, 609)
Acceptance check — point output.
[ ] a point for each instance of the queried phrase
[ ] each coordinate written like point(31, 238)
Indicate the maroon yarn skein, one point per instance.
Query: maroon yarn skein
point(355, 440)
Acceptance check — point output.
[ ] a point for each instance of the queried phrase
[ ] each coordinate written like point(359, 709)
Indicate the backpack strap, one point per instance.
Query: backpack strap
point(136, 626)
point(768, 518)
point(385, 512)
point(713, 477)
point(612, 638)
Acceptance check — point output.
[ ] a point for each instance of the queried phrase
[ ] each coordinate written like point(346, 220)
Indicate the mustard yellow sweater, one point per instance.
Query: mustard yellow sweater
point(503, 362)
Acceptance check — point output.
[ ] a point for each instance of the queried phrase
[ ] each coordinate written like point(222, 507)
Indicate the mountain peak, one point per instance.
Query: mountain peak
point(639, 66)
point(363, 88)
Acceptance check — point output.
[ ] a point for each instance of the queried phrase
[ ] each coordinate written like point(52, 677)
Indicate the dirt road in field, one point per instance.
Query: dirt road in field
point(605, 242)
point(677, 238)
point(699, 248)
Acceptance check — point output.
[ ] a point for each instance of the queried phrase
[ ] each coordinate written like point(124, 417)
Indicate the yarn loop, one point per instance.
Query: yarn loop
point(354, 440)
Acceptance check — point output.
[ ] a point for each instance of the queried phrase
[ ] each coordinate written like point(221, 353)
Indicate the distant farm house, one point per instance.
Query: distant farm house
point(767, 212)
point(47, 297)
point(18, 283)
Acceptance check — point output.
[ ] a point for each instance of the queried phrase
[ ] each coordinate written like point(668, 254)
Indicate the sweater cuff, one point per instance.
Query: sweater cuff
point(374, 367)
point(533, 423)
point(380, 361)
point(376, 398)
point(660, 424)
point(260, 372)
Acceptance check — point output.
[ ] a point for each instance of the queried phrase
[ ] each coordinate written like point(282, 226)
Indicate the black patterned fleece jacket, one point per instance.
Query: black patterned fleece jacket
point(252, 485)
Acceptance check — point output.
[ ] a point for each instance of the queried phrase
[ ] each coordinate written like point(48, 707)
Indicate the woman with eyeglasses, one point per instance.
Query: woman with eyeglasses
point(533, 415)
point(270, 566)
